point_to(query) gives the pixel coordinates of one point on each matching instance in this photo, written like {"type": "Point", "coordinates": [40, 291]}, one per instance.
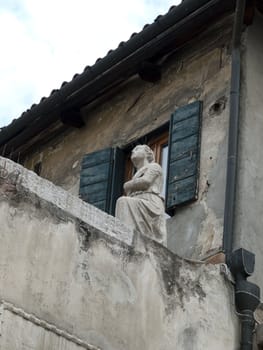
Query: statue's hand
{"type": "Point", "coordinates": [128, 187]}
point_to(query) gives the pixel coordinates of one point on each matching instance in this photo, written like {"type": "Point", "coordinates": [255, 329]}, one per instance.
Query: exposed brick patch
{"type": "Point", "coordinates": [218, 258]}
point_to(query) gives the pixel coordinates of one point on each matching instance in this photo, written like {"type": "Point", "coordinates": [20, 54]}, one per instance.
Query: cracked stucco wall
{"type": "Point", "coordinates": [200, 71]}
{"type": "Point", "coordinates": [22, 331]}
{"type": "Point", "coordinates": [63, 265]}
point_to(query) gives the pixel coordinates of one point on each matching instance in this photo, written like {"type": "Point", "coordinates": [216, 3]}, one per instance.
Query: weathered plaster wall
{"type": "Point", "coordinates": [249, 219]}
{"type": "Point", "coordinates": [200, 71]}
{"type": "Point", "coordinates": [98, 286]}
{"type": "Point", "coordinates": [33, 333]}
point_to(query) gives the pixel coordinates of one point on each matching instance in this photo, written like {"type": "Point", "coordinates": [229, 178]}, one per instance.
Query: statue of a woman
{"type": "Point", "coordinates": [142, 208]}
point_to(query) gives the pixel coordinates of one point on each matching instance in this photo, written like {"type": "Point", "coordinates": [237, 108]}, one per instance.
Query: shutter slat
{"type": "Point", "coordinates": [183, 190]}
{"type": "Point", "coordinates": [96, 158]}
{"type": "Point", "coordinates": [96, 178]}
{"type": "Point", "coordinates": [185, 112]}
{"type": "Point", "coordinates": [183, 167]}
{"type": "Point", "coordinates": [183, 147]}
{"type": "Point", "coordinates": [95, 174]}
{"type": "Point", "coordinates": [183, 158]}
{"type": "Point", "coordinates": [179, 130]}
{"type": "Point", "coordinates": [97, 189]}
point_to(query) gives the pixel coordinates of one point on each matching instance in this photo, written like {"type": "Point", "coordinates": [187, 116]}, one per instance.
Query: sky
{"type": "Point", "coordinates": [45, 42]}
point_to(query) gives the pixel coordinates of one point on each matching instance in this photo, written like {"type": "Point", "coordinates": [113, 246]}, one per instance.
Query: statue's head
{"type": "Point", "coordinates": [142, 151]}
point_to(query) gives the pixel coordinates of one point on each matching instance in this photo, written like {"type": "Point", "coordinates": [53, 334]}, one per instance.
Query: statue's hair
{"type": "Point", "coordinates": [149, 153]}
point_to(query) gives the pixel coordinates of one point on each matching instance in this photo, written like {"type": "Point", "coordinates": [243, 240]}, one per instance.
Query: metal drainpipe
{"type": "Point", "coordinates": [233, 131]}
{"type": "Point", "coordinates": [247, 295]}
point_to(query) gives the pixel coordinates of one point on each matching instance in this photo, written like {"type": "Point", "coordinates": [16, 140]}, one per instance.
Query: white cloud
{"type": "Point", "coordinates": [47, 42]}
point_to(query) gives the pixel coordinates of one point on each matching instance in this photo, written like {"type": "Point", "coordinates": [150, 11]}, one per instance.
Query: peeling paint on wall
{"type": "Point", "coordinates": [101, 288]}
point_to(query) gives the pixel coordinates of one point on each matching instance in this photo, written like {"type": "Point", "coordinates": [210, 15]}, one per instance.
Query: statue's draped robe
{"type": "Point", "coordinates": [143, 208]}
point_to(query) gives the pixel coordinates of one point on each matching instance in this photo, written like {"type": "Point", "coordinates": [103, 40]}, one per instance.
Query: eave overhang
{"type": "Point", "coordinates": [167, 33]}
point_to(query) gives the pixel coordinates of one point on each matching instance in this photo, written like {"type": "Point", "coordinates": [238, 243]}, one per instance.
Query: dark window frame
{"type": "Point", "coordinates": [155, 140]}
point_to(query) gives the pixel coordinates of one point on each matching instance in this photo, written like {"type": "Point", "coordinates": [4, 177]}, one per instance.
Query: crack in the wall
{"type": "Point", "coordinates": [136, 100]}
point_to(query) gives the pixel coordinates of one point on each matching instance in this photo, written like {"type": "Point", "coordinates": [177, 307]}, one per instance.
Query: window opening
{"type": "Point", "coordinates": [164, 161]}
{"type": "Point", "coordinates": [159, 145]}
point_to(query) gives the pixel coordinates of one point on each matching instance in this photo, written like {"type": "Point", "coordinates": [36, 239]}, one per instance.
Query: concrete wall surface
{"type": "Point", "coordinates": [62, 267]}
{"type": "Point", "coordinates": [249, 218]}
{"type": "Point", "coordinates": [22, 331]}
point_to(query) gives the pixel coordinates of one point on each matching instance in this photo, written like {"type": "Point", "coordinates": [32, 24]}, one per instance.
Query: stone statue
{"type": "Point", "coordinates": [142, 208]}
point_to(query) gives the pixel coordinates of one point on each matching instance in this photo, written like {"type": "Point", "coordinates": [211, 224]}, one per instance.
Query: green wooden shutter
{"type": "Point", "coordinates": [101, 178]}
{"type": "Point", "coordinates": [183, 156]}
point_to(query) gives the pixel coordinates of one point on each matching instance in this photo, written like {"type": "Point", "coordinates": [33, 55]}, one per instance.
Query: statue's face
{"type": "Point", "coordinates": [138, 154]}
